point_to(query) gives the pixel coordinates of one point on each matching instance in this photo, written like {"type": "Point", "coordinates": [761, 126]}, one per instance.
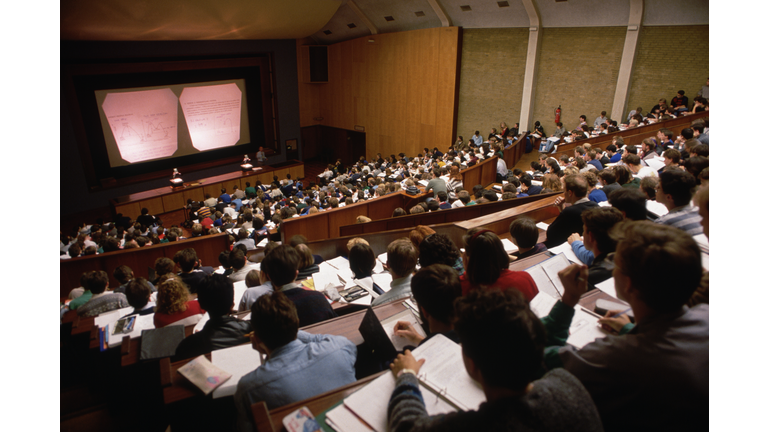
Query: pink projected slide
{"type": "Point", "coordinates": [213, 115]}
{"type": "Point", "coordinates": [143, 123]}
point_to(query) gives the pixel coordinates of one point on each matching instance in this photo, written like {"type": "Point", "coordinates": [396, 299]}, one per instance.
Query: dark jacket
{"type": "Point", "coordinates": [568, 222]}
{"type": "Point", "coordinates": [218, 333]}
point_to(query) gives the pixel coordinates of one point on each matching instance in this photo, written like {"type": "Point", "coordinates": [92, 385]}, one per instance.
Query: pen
{"type": "Point", "coordinates": [621, 313]}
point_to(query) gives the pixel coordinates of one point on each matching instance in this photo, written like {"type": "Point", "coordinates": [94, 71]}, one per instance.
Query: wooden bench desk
{"type": "Point", "coordinates": [177, 388]}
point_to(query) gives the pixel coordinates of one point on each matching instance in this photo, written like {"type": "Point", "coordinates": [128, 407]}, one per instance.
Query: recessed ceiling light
{"type": "Point", "coordinates": [420, 13]}
{"type": "Point", "coordinates": [389, 18]}
{"type": "Point", "coordinates": [466, 8]}
{"type": "Point", "coordinates": [503, 4]}
{"type": "Point", "coordinates": [351, 25]}
{"type": "Point", "coordinates": [327, 32]}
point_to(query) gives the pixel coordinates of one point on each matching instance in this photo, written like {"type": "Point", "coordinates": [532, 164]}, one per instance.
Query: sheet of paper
{"type": "Point", "coordinates": [607, 286]}
{"type": "Point", "coordinates": [703, 242]}
{"type": "Point", "coordinates": [509, 247]}
{"type": "Point", "coordinates": [263, 242]}
{"type": "Point", "coordinates": [656, 208]}
{"type": "Point", "coordinates": [542, 304]}
{"type": "Point", "coordinates": [383, 280]}
{"type": "Point", "coordinates": [542, 281]}
{"type": "Point", "coordinates": [444, 372]}
{"type": "Point", "coordinates": [339, 262]}
{"type": "Point", "coordinates": [239, 291]}
{"type": "Point", "coordinates": [200, 324]}
{"type": "Point", "coordinates": [705, 261]}
{"type": "Point", "coordinates": [325, 278]}
{"type": "Point", "coordinates": [389, 327]}
{"type": "Point", "coordinates": [655, 163]}
{"type": "Point", "coordinates": [378, 267]}
{"type": "Point", "coordinates": [143, 322]}
{"type": "Point", "coordinates": [370, 402]}
{"type": "Point", "coordinates": [567, 250]}
{"type": "Point", "coordinates": [110, 317]}
{"type": "Point", "coordinates": [584, 329]}
{"type": "Point", "coordinates": [542, 225]}
{"type": "Point", "coordinates": [554, 265]}
{"type": "Point", "coordinates": [239, 361]}
{"type": "Point", "coordinates": [342, 419]}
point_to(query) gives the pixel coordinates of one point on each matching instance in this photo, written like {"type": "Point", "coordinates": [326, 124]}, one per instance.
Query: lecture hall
{"type": "Point", "coordinates": [416, 164]}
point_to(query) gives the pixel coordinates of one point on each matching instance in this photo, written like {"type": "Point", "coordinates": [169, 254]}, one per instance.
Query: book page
{"type": "Point", "coordinates": [607, 286]}
{"type": "Point", "coordinates": [238, 361]}
{"type": "Point", "coordinates": [143, 322]}
{"type": "Point", "coordinates": [444, 372]}
{"type": "Point", "coordinates": [342, 419]}
{"type": "Point", "coordinates": [543, 226]}
{"type": "Point", "coordinates": [584, 329]}
{"type": "Point", "coordinates": [239, 291]}
{"type": "Point", "coordinates": [542, 281]}
{"type": "Point", "coordinates": [509, 247]}
{"type": "Point", "coordinates": [370, 402]}
{"type": "Point", "coordinates": [567, 250]}
{"type": "Point", "coordinates": [389, 327]}
{"type": "Point", "coordinates": [204, 374]}
{"type": "Point", "coordinates": [656, 208]}
{"type": "Point", "coordinates": [325, 278]}
{"type": "Point", "coordinates": [554, 265]}
{"type": "Point", "coordinates": [383, 280]}
{"type": "Point", "coordinates": [542, 304]}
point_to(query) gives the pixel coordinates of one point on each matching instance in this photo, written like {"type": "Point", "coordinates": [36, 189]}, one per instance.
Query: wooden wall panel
{"type": "Point", "coordinates": [214, 189]}
{"type": "Point", "coordinates": [400, 88]}
{"type": "Point", "coordinates": [132, 210]}
{"type": "Point", "coordinates": [195, 194]}
{"type": "Point", "coordinates": [173, 202]}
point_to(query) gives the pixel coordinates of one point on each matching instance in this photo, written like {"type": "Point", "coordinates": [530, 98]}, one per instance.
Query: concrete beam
{"type": "Point", "coordinates": [627, 61]}
{"type": "Point", "coordinates": [531, 66]}
{"type": "Point", "coordinates": [362, 16]}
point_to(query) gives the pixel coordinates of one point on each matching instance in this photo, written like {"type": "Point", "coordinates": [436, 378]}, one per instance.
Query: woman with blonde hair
{"type": "Point", "coordinates": [551, 183]}
{"type": "Point", "coordinates": [174, 306]}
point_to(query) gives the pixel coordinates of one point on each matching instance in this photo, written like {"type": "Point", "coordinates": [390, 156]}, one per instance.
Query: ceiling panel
{"type": "Point", "coordinates": [403, 12]}
{"type": "Point", "coordinates": [486, 13]}
{"type": "Point", "coordinates": [678, 12]}
{"type": "Point", "coordinates": [338, 26]}
{"type": "Point", "coordinates": [583, 13]}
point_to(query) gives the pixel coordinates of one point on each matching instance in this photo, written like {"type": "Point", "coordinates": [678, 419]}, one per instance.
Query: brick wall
{"type": "Point", "coordinates": [578, 69]}
{"type": "Point", "coordinates": [492, 73]}
{"type": "Point", "coordinates": [669, 59]}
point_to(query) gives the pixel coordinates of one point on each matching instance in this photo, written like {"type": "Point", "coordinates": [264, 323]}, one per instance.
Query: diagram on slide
{"type": "Point", "coordinates": [212, 114]}
{"type": "Point", "coordinates": [143, 123]}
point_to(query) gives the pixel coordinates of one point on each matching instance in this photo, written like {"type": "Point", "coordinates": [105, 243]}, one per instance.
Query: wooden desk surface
{"type": "Point", "coordinates": [177, 388]}
{"type": "Point", "coordinates": [323, 402]}
{"type": "Point", "coordinates": [319, 403]}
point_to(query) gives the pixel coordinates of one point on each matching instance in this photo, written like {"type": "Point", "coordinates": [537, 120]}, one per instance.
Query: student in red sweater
{"type": "Point", "coordinates": [486, 264]}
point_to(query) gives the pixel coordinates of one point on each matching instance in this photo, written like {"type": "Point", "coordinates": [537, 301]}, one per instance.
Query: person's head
{"type": "Point", "coordinates": [598, 222]}
{"type": "Point", "coordinates": [216, 294]}
{"type": "Point", "coordinates": [671, 157]}
{"type": "Point", "coordinates": [402, 256]}
{"type": "Point", "coordinates": [648, 185]}
{"type": "Point", "coordinates": [591, 179]}
{"type": "Point", "coordinates": [575, 188]}
{"type": "Point", "coordinates": [582, 118]}
{"type": "Point", "coordinates": [137, 292]}
{"type": "Point", "coordinates": [524, 233]}
{"type": "Point", "coordinates": [361, 260]}
{"type": "Point", "coordinates": [675, 188]}
{"type": "Point", "coordinates": [438, 249]}
{"type": "Point", "coordinates": [95, 281]}
{"type": "Point", "coordinates": [123, 274]}
{"type": "Point", "coordinates": [186, 259]}
{"type": "Point", "coordinates": [701, 150]}
{"type": "Point", "coordinates": [416, 209]}
{"type": "Point", "coordinates": [306, 258]}
{"type": "Point", "coordinates": [630, 202]}
{"type": "Point", "coordinates": [490, 195]}
{"type": "Point", "coordinates": [623, 174]}
{"type": "Point", "coordinates": [418, 234]}
{"type": "Point", "coordinates": [511, 355]}
{"type": "Point", "coordinates": [435, 288]}
{"type": "Point", "coordinates": [164, 265]}
{"type": "Point", "coordinates": [484, 257]}
{"type": "Point", "coordinates": [552, 182]}
{"type": "Point", "coordinates": [664, 248]}
{"type": "Point", "coordinates": [172, 296]}
{"type": "Point", "coordinates": [399, 212]}
{"type": "Point", "coordinates": [275, 321]}
{"type": "Point", "coordinates": [282, 265]}
{"type": "Point", "coordinates": [648, 145]}
{"type": "Point", "coordinates": [252, 279]}
{"type": "Point", "coordinates": [687, 133]}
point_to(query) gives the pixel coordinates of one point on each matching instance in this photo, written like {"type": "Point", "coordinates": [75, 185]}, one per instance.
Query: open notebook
{"type": "Point", "coordinates": [444, 382]}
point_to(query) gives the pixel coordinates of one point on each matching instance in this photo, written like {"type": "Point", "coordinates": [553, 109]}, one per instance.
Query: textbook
{"type": "Point", "coordinates": [204, 374]}
{"type": "Point", "coordinates": [584, 327]}
{"type": "Point", "coordinates": [545, 275]}
{"type": "Point", "coordinates": [445, 385]}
